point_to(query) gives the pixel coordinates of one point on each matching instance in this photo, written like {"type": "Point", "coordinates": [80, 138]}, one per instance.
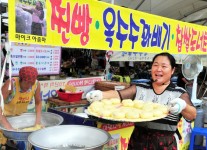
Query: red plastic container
{"type": "Point", "coordinates": [70, 97]}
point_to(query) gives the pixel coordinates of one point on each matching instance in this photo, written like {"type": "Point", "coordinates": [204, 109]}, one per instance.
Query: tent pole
{"type": "Point", "coordinates": [0, 35]}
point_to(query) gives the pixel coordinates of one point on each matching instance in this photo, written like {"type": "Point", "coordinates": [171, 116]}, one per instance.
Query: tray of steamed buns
{"type": "Point", "coordinates": [127, 110]}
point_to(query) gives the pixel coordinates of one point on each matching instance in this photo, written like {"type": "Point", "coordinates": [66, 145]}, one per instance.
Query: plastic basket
{"type": "Point", "coordinates": [70, 97]}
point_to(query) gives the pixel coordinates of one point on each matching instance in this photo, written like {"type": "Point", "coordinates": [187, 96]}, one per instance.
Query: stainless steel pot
{"type": "Point", "coordinates": [69, 137]}
{"type": "Point", "coordinates": [28, 120]}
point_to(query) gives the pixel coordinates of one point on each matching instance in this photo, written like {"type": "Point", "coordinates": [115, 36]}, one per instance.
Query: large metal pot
{"type": "Point", "coordinates": [28, 120]}
{"type": "Point", "coordinates": [69, 137]}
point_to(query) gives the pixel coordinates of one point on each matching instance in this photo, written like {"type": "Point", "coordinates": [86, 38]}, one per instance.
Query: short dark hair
{"type": "Point", "coordinates": [169, 56]}
{"type": "Point", "coordinates": [41, 5]}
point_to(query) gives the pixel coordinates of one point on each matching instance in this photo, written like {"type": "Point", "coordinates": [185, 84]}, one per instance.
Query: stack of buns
{"type": "Point", "coordinates": [34, 128]}
{"type": "Point", "coordinates": [127, 109]}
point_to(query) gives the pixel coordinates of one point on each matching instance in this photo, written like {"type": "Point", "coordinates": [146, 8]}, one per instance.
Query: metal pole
{"type": "Point", "coordinates": [0, 34]}
{"type": "Point", "coordinates": [107, 67]}
{"type": "Point", "coordinates": [139, 4]}
{"type": "Point", "coordinates": [28, 145]}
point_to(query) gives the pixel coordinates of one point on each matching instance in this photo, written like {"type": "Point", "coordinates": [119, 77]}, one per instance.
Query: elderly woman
{"type": "Point", "coordinates": [159, 134]}
{"type": "Point", "coordinates": [16, 100]}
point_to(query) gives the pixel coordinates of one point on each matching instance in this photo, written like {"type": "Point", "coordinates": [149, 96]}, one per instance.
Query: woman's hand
{"type": "Point", "coordinates": [10, 128]}
{"type": "Point", "coordinates": [39, 126]}
{"type": "Point", "coordinates": [177, 105]}
{"type": "Point", "coordinates": [94, 95]}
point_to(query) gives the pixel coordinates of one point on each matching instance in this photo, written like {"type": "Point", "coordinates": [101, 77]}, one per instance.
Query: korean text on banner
{"type": "Point", "coordinates": [84, 23]}
{"type": "Point", "coordinates": [120, 133]}
{"type": "Point", "coordinates": [46, 59]}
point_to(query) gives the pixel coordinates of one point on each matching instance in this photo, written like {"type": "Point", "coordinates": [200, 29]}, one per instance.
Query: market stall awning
{"type": "Point", "coordinates": [110, 27]}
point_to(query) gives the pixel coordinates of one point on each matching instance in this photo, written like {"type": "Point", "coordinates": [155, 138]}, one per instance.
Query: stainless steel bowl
{"type": "Point", "coordinates": [69, 137]}
{"type": "Point", "coordinates": [28, 120]}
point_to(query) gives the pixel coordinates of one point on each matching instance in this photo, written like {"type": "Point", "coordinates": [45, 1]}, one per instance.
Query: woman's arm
{"type": "Point", "coordinates": [5, 122]}
{"type": "Point", "coordinates": [128, 93]}
{"type": "Point", "coordinates": [38, 104]}
{"type": "Point", "coordinates": [26, 9]}
{"type": "Point", "coordinates": [5, 93]}
{"type": "Point", "coordinates": [5, 89]}
{"type": "Point", "coordinates": [110, 94]}
{"type": "Point", "coordinates": [190, 111]}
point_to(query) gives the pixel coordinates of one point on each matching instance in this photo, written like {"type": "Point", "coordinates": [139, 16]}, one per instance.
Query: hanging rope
{"type": "Point", "coordinates": [6, 60]}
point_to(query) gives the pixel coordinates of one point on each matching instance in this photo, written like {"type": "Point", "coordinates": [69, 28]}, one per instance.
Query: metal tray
{"type": "Point", "coordinates": [28, 120]}
{"type": "Point", "coordinates": [71, 137]}
{"type": "Point", "coordinates": [112, 120]}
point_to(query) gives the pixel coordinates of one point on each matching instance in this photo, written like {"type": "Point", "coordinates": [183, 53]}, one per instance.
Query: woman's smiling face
{"type": "Point", "coordinates": [161, 70]}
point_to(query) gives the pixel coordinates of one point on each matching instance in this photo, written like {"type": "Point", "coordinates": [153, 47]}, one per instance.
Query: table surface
{"type": "Point", "coordinates": [58, 102]}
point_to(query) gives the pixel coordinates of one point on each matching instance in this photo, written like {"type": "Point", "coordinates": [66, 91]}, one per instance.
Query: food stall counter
{"type": "Point", "coordinates": [68, 111]}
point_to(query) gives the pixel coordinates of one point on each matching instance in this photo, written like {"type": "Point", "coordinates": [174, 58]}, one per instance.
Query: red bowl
{"type": "Point", "coordinates": [70, 97]}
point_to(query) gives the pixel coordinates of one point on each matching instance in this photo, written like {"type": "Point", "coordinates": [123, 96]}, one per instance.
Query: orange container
{"type": "Point", "coordinates": [70, 97]}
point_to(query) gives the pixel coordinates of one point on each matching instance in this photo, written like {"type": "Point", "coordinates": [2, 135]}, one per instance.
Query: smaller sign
{"type": "Point", "coordinates": [120, 132]}
{"type": "Point", "coordinates": [45, 58]}
{"type": "Point", "coordinates": [139, 56]}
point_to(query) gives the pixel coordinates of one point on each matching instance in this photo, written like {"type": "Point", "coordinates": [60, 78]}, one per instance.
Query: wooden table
{"type": "Point", "coordinates": [54, 102]}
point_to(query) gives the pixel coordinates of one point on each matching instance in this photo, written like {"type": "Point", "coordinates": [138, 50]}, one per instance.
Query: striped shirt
{"type": "Point", "coordinates": [146, 93]}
